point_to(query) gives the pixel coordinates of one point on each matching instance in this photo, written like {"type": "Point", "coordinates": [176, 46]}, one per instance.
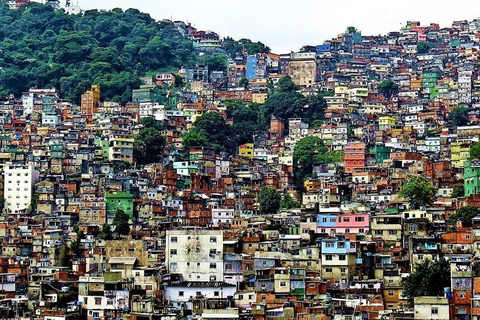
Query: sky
{"type": "Point", "coordinates": [287, 25]}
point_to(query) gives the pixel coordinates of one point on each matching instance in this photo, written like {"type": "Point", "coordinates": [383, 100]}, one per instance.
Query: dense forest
{"type": "Point", "coordinates": [40, 47]}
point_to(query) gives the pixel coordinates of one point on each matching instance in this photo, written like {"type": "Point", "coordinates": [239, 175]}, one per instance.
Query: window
{"type": "Point", "coordinates": [149, 287]}
{"type": "Point", "coordinates": [173, 252]}
{"type": "Point", "coordinates": [283, 284]}
{"type": "Point", "coordinates": [359, 219]}
{"type": "Point", "coordinates": [181, 293]}
{"type": "Point", "coordinates": [392, 232]}
{"type": "Point", "coordinates": [328, 257]}
{"type": "Point", "coordinates": [342, 257]}
{"type": "Point", "coordinates": [173, 239]}
{"type": "Point", "coordinates": [213, 266]}
{"type": "Point", "coordinates": [213, 239]}
{"type": "Point", "coordinates": [434, 310]}
{"type": "Point", "coordinates": [329, 245]}
{"type": "Point", "coordinates": [328, 269]}
{"type": "Point", "coordinates": [378, 232]}
{"type": "Point", "coordinates": [467, 236]}
{"type": "Point", "coordinates": [346, 219]}
{"type": "Point", "coordinates": [98, 301]}
{"type": "Point", "coordinates": [173, 266]}
{"type": "Point", "coordinates": [311, 285]}
{"type": "Point", "coordinates": [240, 297]}
{"type": "Point", "coordinates": [390, 293]}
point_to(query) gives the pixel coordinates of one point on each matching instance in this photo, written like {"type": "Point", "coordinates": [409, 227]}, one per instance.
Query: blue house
{"type": "Point", "coordinates": [252, 67]}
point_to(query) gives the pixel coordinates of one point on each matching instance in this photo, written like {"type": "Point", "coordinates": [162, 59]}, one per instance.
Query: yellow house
{"type": "Point", "coordinates": [459, 153]}
{"type": "Point", "coordinates": [259, 97]}
{"type": "Point", "coordinates": [374, 109]}
{"type": "Point", "coordinates": [246, 150]}
{"type": "Point", "coordinates": [386, 122]}
{"type": "Point", "coordinates": [311, 185]}
{"type": "Point", "coordinates": [416, 85]}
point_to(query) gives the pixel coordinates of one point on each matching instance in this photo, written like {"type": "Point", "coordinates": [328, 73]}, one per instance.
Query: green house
{"type": "Point", "coordinates": [150, 93]}
{"type": "Point", "coordinates": [56, 151]}
{"type": "Point", "coordinates": [119, 200]}
{"type": "Point", "coordinates": [471, 177]}
{"type": "Point", "coordinates": [381, 153]}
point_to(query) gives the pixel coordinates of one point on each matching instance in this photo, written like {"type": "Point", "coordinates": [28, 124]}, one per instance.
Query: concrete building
{"type": "Point", "coordinates": [432, 308]}
{"type": "Point", "coordinates": [196, 254]}
{"type": "Point", "coordinates": [18, 187]}
{"type": "Point", "coordinates": [302, 68]}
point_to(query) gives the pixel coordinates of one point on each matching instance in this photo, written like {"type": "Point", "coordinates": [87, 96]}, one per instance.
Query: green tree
{"type": "Point", "coordinates": [424, 47]}
{"type": "Point", "coordinates": [150, 122]}
{"type": "Point", "coordinates": [269, 200]}
{"type": "Point", "coordinates": [308, 152]}
{"type": "Point", "coordinates": [243, 82]}
{"type": "Point", "coordinates": [216, 130]}
{"type": "Point", "coordinates": [317, 124]}
{"type": "Point", "coordinates": [216, 62]}
{"type": "Point", "coordinates": [475, 151]}
{"type": "Point", "coordinates": [286, 84]}
{"type": "Point", "coordinates": [351, 30]}
{"type": "Point", "coordinates": [121, 223]}
{"type": "Point", "coordinates": [388, 88]}
{"type": "Point", "coordinates": [194, 138]}
{"type": "Point", "coordinates": [148, 146]}
{"type": "Point", "coordinates": [41, 47]}
{"type": "Point", "coordinates": [458, 191]}
{"type": "Point", "coordinates": [106, 233]}
{"type": "Point", "coordinates": [459, 116]}
{"type": "Point", "coordinates": [247, 121]}
{"type": "Point", "coordinates": [464, 214]}
{"type": "Point", "coordinates": [288, 202]}
{"type": "Point", "coordinates": [428, 279]}
{"type": "Point", "coordinates": [419, 191]}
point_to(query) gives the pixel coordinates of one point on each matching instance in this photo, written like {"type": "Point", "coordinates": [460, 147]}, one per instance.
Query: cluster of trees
{"type": "Point", "coordinates": [44, 48]}
{"type": "Point", "coordinates": [419, 191]}
{"type": "Point", "coordinates": [285, 102]}
{"type": "Point", "coordinates": [308, 153]}
{"type": "Point", "coordinates": [428, 279]}
{"type": "Point", "coordinates": [149, 143]}
{"type": "Point", "coordinates": [459, 116]}
{"type": "Point", "coordinates": [234, 48]}
{"type": "Point", "coordinates": [270, 201]}
{"type": "Point", "coordinates": [41, 47]}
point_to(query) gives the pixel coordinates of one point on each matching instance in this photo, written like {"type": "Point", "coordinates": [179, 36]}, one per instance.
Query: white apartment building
{"type": "Point", "coordinates": [222, 216]}
{"type": "Point", "coordinates": [196, 254]}
{"type": "Point", "coordinates": [18, 187]}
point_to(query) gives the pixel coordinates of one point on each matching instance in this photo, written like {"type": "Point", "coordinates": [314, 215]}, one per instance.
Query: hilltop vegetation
{"type": "Point", "coordinates": [40, 47]}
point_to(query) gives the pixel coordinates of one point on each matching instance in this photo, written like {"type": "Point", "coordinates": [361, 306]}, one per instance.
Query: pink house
{"type": "Point", "coordinates": [353, 223]}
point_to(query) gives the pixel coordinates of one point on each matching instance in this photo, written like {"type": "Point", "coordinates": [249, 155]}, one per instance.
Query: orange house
{"type": "Point", "coordinates": [354, 156]}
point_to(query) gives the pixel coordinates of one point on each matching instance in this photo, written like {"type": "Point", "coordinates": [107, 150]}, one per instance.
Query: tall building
{"type": "Point", "coordinates": [18, 187]}
{"type": "Point", "coordinates": [302, 68]}
{"type": "Point", "coordinates": [196, 254]}
{"type": "Point", "coordinates": [90, 102]}
{"type": "Point", "coordinates": [354, 156]}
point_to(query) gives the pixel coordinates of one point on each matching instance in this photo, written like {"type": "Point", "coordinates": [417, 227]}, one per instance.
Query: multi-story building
{"type": "Point", "coordinates": [18, 187]}
{"type": "Point", "coordinates": [302, 68]}
{"type": "Point", "coordinates": [196, 254]}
